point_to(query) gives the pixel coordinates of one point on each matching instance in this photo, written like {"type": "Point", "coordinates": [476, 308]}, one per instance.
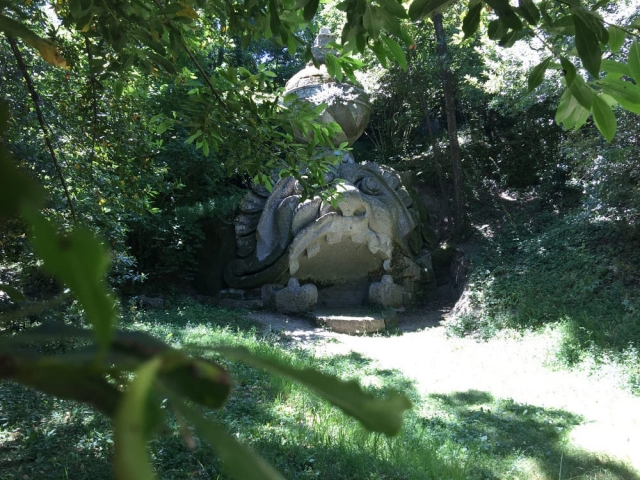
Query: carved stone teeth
{"type": "Point", "coordinates": [313, 250]}
{"type": "Point", "coordinates": [373, 243]}
{"type": "Point", "coordinates": [294, 266]}
{"type": "Point", "coordinates": [358, 237]}
{"type": "Point", "coordinates": [333, 237]}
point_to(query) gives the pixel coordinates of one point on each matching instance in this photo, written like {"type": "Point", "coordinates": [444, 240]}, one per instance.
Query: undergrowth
{"type": "Point", "coordinates": [575, 273]}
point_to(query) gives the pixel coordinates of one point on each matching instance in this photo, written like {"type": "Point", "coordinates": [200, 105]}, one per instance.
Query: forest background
{"type": "Point", "coordinates": [153, 118]}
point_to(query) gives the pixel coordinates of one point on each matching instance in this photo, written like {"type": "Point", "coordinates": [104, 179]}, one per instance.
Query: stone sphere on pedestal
{"type": "Point", "coordinates": [347, 105]}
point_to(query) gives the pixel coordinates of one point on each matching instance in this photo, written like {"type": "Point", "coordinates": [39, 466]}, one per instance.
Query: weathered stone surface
{"type": "Point", "coordinates": [295, 298]}
{"type": "Point", "coordinates": [351, 326]}
{"type": "Point", "coordinates": [231, 294]}
{"type": "Point", "coordinates": [386, 293]}
{"type": "Point", "coordinates": [356, 321]}
{"type": "Point", "coordinates": [268, 295]}
{"type": "Point", "coordinates": [340, 245]}
{"type": "Point", "coordinates": [252, 203]}
{"type": "Point", "coordinates": [246, 246]}
{"type": "Point", "coordinates": [149, 302]}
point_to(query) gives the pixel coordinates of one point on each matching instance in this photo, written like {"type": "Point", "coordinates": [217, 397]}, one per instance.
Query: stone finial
{"type": "Point", "coordinates": [320, 48]}
{"type": "Point", "coordinates": [295, 298]}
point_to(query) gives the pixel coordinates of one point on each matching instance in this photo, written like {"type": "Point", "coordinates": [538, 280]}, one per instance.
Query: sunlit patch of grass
{"type": "Point", "coordinates": [463, 435]}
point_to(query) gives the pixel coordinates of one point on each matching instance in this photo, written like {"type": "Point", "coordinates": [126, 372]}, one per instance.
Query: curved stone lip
{"type": "Point", "coordinates": [330, 227]}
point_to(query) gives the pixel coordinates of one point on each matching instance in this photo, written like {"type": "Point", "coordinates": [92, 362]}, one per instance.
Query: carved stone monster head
{"type": "Point", "coordinates": [370, 231]}
{"type": "Point", "coordinates": [348, 244]}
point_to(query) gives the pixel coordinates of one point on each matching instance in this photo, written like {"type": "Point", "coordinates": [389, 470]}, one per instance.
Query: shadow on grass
{"type": "Point", "coordinates": [45, 438]}
{"type": "Point", "coordinates": [190, 312]}
{"type": "Point", "coordinates": [308, 438]}
{"type": "Point", "coordinates": [581, 274]}
{"type": "Point", "coordinates": [504, 432]}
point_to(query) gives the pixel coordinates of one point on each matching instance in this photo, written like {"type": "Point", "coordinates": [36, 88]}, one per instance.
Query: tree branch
{"type": "Point", "coordinates": [45, 130]}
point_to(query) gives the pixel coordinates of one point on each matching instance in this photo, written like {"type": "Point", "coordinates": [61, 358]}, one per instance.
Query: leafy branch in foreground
{"type": "Point", "coordinates": [100, 373]}
{"type": "Point", "coordinates": [573, 30]}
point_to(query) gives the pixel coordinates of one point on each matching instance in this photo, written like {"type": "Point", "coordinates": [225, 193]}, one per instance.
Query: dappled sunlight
{"type": "Point", "coordinates": [526, 436]}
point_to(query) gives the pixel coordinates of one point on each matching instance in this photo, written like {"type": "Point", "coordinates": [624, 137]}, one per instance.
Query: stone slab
{"type": "Point", "coordinates": [356, 321]}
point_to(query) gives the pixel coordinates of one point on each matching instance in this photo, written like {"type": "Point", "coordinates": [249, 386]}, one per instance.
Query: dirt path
{"type": "Point", "coordinates": [506, 367]}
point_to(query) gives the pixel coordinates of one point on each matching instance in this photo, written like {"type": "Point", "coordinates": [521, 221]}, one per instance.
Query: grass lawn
{"type": "Point", "coordinates": [470, 434]}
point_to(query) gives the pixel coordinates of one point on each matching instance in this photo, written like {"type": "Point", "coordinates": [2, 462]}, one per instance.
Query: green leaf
{"type": "Point", "coordinates": [616, 38]}
{"type": "Point", "coordinates": [616, 68]}
{"type": "Point", "coordinates": [588, 47]}
{"type": "Point", "coordinates": [620, 89]}
{"type": "Point", "coordinates": [371, 21]}
{"type": "Point", "coordinates": [239, 461]}
{"type": "Point", "coordinates": [62, 378]}
{"type": "Point", "coordinates": [593, 21]}
{"type": "Point", "coordinates": [394, 8]}
{"type": "Point", "coordinates": [310, 10]}
{"type": "Point", "coordinates": [361, 42]}
{"type": "Point", "coordinates": [14, 294]}
{"type": "Point", "coordinates": [163, 127]}
{"type": "Point", "coordinates": [562, 26]}
{"type": "Point", "coordinates": [582, 92]}
{"type": "Point", "coordinates": [318, 109]}
{"type": "Point", "coordinates": [131, 456]}
{"type": "Point", "coordinates": [632, 107]}
{"type": "Point", "coordinates": [536, 75]}
{"type": "Point", "coordinates": [274, 18]}
{"type": "Point", "coordinates": [47, 49]}
{"type": "Point", "coordinates": [633, 61]}
{"type": "Point", "coordinates": [471, 21]}
{"type": "Point", "coordinates": [379, 52]}
{"type": "Point", "coordinates": [391, 23]}
{"type": "Point", "coordinates": [529, 11]}
{"type": "Point", "coordinates": [505, 13]}
{"type": "Point", "coordinates": [331, 62]}
{"type": "Point", "coordinates": [193, 137]}
{"type": "Point", "coordinates": [497, 29]}
{"type": "Point", "coordinates": [118, 88]}
{"type": "Point", "coordinates": [570, 113]}
{"type": "Point", "coordinates": [508, 39]}
{"type": "Point", "coordinates": [80, 261]}
{"type": "Point", "coordinates": [396, 51]}
{"type": "Point", "coordinates": [292, 44]}
{"type": "Point", "coordinates": [198, 380]}
{"type": "Point", "coordinates": [17, 191]}
{"type": "Point", "coordinates": [604, 118]}
{"type": "Point", "coordinates": [420, 9]}
{"type": "Point", "coordinates": [384, 416]}
{"type": "Point", "coordinates": [568, 70]}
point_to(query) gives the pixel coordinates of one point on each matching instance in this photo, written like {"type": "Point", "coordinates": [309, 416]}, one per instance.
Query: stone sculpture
{"type": "Point", "coordinates": [368, 240]}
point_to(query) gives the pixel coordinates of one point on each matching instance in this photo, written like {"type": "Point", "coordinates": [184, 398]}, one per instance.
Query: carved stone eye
{"type": "Point", "coordinates": [370, 186]}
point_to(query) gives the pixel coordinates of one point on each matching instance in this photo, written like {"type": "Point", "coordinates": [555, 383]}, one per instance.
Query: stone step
{"type": "Point", "coordinates": [355, 321]}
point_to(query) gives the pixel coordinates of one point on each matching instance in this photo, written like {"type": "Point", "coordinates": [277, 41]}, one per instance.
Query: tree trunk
{"type": "Point", "coordinates": [459, 214]}
{"type": "Point", "coordinates": [436, 154]}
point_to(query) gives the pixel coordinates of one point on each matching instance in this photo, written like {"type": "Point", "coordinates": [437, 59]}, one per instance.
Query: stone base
{"type": "Point", "coordinates": [356, 321]}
